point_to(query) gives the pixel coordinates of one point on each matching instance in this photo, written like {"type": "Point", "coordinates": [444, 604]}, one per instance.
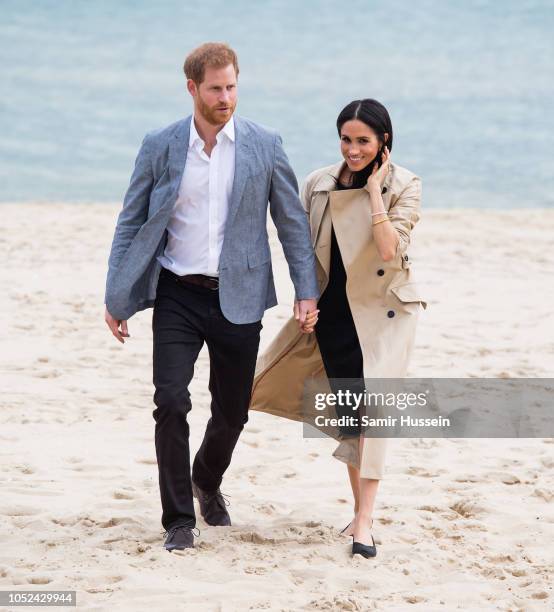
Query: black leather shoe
{"type": "Point", "coordinates": [179, 538]}
{"type": "Point", "coordinates": [212, 506]}
{"type": "Point", "coordinates": [365, 550]}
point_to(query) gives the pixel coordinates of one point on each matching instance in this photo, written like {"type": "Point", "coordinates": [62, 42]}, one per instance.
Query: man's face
{"type": "Point", "coordinates": [216, 97]}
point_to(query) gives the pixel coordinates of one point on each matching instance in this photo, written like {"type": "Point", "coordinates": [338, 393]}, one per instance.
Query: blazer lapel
{"type": "Point", "coordinates": [242, 169]}
{"type": "Point", "coordinates": [178, 149]}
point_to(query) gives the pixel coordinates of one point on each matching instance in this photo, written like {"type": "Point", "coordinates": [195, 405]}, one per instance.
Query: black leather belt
{"type": "Point", "coordinates": [208, 282]}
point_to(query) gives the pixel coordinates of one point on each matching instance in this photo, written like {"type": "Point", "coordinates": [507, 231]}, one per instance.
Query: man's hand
{"type": "Point", "coordinates": [305, 312]}
{"type": "Point", "coordinates": [114, 324]}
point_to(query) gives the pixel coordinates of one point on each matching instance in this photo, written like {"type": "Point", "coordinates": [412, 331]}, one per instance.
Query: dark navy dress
{"type": "Point", "coordinates": [337, 337]}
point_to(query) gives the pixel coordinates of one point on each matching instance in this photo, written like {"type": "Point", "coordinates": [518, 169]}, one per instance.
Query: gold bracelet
{"type": "Point", "coordinates": [381, 221]}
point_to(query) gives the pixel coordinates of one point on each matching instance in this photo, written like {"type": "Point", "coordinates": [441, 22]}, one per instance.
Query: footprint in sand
{"type": "Point", "coordinates": [120, 520]}
{"type": "Point", "coordinates": [94, 468]}
{"type": "Point", "coordinates": [255, 537]}
{"type": "Point", "coordinates": [102, 400]}
{"type": "Point", "coordinates": [122, 495]}
{"type": "Point", "coordinates": [255, 570]}
{"type": "Point", "coordinates": [88, 359]}
{"type": "Point", "coordinates": [39, 579]}
{"type": "Point", "coordinates": [468, 478]}
{"type": "Point", "coordinates": [346, 603]}
{"type": "Point", "coordinates": [414, 599]}
{"type": "Point", "coordinates": [25, 469]}
{"type": "Point", "coordinates": [266, 509]}
{"type": "Point", "coordinates": [428, 508]}
{"type": "Point", "coordinates": [50, 374]}
{"type": "Point", "coordinates": [19, 511]}
{"type": "Point", "coordinates": [148, 461]}
{"type": "Point", "coordinates": [423, 442]}
{"type": "Point", "coordinates": [468, 509]}
{"type": "Point", "coordinates": [421, 471]}
{"type": "Point", "coordinates": [545, 494]}
{"type": "Point", "coordinates": [503, 477]}
{"type": "Point", "coordinates": [74, 459]}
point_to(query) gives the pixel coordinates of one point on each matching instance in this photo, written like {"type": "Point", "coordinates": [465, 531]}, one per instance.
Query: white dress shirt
{"type": "Point", "coordinates": [197, 223]}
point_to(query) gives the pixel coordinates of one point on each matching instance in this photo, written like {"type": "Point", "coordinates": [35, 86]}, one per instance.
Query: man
{"type": "Point", "coordinates": [191, 241]}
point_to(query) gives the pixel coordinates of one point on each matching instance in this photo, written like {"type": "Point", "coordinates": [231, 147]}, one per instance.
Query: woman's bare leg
{"type": "Point", "coordinates": [354, 475]}
{"type": "Point", "coordinates": [367, 492]}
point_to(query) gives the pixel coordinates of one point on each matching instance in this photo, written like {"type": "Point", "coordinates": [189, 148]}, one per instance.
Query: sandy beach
{"type": "Point", "coordinates": [459, 523]}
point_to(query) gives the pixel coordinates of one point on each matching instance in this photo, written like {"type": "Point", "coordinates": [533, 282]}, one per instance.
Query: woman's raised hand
{"type": "Point", "coordinates": [378, 175]}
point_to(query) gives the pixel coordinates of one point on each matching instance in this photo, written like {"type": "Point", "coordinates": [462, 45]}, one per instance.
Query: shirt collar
{"type": "Point", "coordinates": [228, 130]}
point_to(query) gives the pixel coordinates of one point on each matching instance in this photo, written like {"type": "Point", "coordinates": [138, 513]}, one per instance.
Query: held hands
{"type": "Point", "coordinates": [114, 324]}
{"type": "Point", "coordinates": [305, 312]}
{"type": "Point", "coordinates": [378, 175]}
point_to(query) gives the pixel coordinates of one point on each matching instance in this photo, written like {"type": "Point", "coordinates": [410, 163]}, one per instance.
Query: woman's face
{"type": "Point", "coordinates": [359, 144]}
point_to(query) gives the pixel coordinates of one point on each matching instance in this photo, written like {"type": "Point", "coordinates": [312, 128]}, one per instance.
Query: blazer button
{"type": "Point", "coordinates": [380, 272]}
{"type": "Point", "coordinates": [390, 314]}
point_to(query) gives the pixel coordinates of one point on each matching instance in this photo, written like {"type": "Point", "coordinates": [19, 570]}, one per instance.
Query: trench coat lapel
{"type": "Point", "coordinates": [326, 183]}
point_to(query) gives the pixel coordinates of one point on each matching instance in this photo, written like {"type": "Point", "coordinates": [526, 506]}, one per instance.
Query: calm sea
{"type": "Point", "coordinates": [469, 85]}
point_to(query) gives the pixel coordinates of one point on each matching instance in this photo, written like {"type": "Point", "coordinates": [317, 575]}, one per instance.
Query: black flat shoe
{"type": "Point", "coordinates": [364, 550]}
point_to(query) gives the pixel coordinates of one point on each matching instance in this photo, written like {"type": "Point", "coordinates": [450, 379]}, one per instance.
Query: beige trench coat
{"type": "Point", "coordinates": [383, 298]}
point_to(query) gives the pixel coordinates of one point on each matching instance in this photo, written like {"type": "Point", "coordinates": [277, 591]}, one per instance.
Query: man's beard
{"type": "Point", "coordinates": [211, 115]}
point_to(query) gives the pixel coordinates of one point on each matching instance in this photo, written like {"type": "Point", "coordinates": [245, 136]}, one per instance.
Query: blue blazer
{"type": "Point", "coordinates": [262, 175]}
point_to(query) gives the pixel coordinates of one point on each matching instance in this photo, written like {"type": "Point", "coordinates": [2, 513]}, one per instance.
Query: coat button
{"type": "Point", "coordinates": [380, 272]}
{"type": "Point", "coordinates": [384, 190]}
{"type": "Point", "coordinates": [405, 258]}
{"type": "Point", "coordinates": [390, 314]}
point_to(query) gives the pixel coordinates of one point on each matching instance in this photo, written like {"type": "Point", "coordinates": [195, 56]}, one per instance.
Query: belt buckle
{"type": "Point", "coordinates": [216, 280]}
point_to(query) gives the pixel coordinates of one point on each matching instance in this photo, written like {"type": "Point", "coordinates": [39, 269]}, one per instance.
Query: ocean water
{"type": "Point", "coordinates": [469, 86]}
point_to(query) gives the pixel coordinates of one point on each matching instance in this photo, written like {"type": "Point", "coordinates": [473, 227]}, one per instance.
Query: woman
{"type": "Point", "coordinates": [361, 212]}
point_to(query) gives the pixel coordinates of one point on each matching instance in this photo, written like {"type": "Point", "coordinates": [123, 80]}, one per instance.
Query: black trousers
{"type": "Point", "coordinates": [186, 316]}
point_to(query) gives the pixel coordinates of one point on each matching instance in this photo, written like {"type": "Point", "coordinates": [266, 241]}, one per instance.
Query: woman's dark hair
{"type": "Point", "coordinates": [375, 116]}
